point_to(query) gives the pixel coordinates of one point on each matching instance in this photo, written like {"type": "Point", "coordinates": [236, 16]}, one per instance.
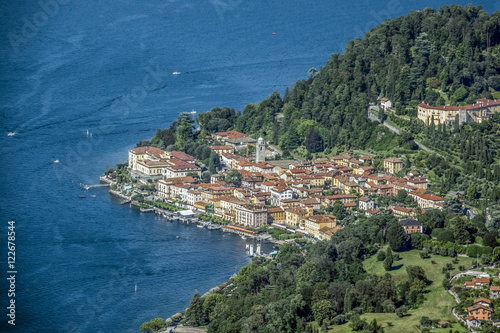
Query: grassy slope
{"type": "Point", "coordinates": [437, 302]}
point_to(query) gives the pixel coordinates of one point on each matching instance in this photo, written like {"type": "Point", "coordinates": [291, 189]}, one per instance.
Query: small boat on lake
{"type": "Point", "coordinates": [81, 196]}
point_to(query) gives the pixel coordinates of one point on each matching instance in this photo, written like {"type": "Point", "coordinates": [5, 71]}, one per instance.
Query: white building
{"type": "Point", "coordinates": [366, 203]}
{"type": "Point", "coordinates": [279, 193]}
{"type": "Point", "coordinates": [385, 103]}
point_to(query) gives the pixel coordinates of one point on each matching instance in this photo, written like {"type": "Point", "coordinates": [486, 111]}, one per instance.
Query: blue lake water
{"type": "Point", "coordinates": [107, 67]}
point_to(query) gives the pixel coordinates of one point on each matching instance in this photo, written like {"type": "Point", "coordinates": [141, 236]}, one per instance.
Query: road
{"type": "Point", "coordinates": [373, 116]}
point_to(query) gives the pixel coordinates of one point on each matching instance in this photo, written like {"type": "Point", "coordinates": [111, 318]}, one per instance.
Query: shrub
{"type": "Point", "coordinates": [475, 250]}
{"type": "Point", "coordinates": [381, 255]}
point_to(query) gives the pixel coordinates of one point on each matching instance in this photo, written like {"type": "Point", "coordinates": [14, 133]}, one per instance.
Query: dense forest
{"type": "Point", "coordinates": [326, 284]}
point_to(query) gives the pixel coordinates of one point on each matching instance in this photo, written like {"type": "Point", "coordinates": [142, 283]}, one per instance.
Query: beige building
{"type": "Point", "coordinates": [151, 168]}
{"type": "Point", "coordinates": [477, 112]}
{"type": "Point", "coordinates": [393, 165]}
{"type": "Point", "coordinates": [251, 216]}
{"type": "Point", "coordinates": [144, 153]}
{"type": "Point", "coordinates": [313, 225]}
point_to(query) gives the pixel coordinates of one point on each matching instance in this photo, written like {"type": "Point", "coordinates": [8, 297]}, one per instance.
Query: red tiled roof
{"type": "Point", "coordinates": [220, 148]}
{"type": "Point", "coordinates": [182, 156]}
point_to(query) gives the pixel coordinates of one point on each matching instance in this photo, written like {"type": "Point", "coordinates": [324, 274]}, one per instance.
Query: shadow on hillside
{"type": "Point", "coordinates": [395, 268]}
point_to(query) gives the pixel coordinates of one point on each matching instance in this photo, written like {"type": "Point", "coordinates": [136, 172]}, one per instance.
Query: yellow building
{"type": "Point", "coordinates": [219, 150]}
{"type": "Point", "coordinates": [313, 224]}
{"type": "Point", "coordinates": [294, 215]}
{"type": "Point", "coordinates": [393, 165]}
{"type": "Point", "coordinates": [276, 214]}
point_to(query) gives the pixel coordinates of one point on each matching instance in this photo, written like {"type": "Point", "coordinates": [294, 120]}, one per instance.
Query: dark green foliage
{"type": "Point", "coordinates": [490, 239]}
{"type": "Point", "coordinates": [195, 315]}
{"type": "Point", "coordinates": [338, 210]}
{"type": "Point", "coordinates": [445, 235]}
{"type": "Point", "coordinates": [233, 177]}
{"type": "Point", "coordinates": [314, 142]}
{"type": "Point", "coordinates": [381, 255]}
{"type": "Point", "coordinates": [474, 250]}
{"type": "Point", "coordinates": [395, 236]}
{"type": "Point", "coordinates": [388, 260]}
{"type": "Point", "coordinates": [216, 120]}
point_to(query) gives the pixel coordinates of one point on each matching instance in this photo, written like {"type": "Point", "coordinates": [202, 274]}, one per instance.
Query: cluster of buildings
{"type": "Point", "coordinates": [478, 112]}
{"type": "Point", "coordinates": [287, 194]}
{"type": "Point", "coordinates": [481, 309]}
{"type": "Point", "coordinates": [156, 163]}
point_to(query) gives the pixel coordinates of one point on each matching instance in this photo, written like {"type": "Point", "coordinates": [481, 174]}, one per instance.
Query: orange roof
{"type": "Point", "coordinates": [480, 103]}
{"type": "Point", "coordinates": [431, 197]}
{"type": "Point", "coordinates": [220, 148]}
{"type": "Point", "coordinates": [231, 134]}
{"type": "Point", "coordinates": [394, 160]}
{"type": "Point", "coordinates": [182, 156]}
{"type": "Point", "coordinates": [482, 299]}
{"type": "Point", "coordinates": [150, 150]}
{"type": "Point", "coordinates": [481, 280]}
{"type": "Point", "coordinates": [402, 209]}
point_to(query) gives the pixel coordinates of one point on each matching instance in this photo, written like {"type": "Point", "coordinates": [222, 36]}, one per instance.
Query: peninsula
{"type": "Point", "coordinates": [376, 233]}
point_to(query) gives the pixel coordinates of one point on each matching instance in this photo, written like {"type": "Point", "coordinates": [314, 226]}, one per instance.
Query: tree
{"type": "Point", "coordinates": [322, 310]}
{"type": "Point", "coordinates": [401, 196]}
{"type": "Point", "coordinates": [381, 114]}
{"type": "Point", "coordinates": [292, 140]}
{"type": "Point", "coordinates": [401, 311]}
{"type": "Point", "coordinates": [194, 314]}
{"type": "Point", "coordinates": [452, 205]}
{"type": "Point", "coordinates": [145, 327]}
{"type": "Point", "coordinates": [395, 236]}
{"type": "Point", "coordinates": [471, 192]}
{"type": "Point", "coordinates": [416, 273]}
{"type": "Point", "coordinates": [490, 239]}
{"type": "Point", "coordinates": [388, 260]}
{"type": "Point", "coordinates": [381, 255]}
{"type": "Point", "coordinates": [213, 163]}
{"type": "Point", "coordinates": [338, 210]}
{"type": "Point", "coordinates": [157, 324]}
{"type": "Point", "coordinates": [314, 142]}
{"type": "Point", "coordinates": [425, 321]}
{"type": "Point", "coordinates": [234, 178]}
{"type": "Point", "coordinates": [356, 323]}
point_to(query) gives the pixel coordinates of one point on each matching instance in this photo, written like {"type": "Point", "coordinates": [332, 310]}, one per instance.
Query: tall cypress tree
{"type": "Point", "coordinates": [388, 260]}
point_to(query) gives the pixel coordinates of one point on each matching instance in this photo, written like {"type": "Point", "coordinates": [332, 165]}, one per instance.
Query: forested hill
{"type": "Point", "coordinates": [434, 56]}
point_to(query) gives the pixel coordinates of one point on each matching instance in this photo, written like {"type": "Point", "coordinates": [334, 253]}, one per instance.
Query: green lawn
{"type": "Point", "coordinates": [438, 301]}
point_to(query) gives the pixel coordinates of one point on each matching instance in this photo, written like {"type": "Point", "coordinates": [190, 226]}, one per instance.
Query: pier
{"type": "Point", "coordinates": [87, 187]}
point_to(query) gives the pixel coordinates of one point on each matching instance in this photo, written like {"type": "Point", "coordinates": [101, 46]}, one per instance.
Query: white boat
{"type": "Point", "coordinates": [193, 112]}
{"type": "Point", "coordinates": [12, 133]}
{"type": "Point", "coordinates": [200, 225]}
{"type": "Point", "coordinates": [176, 73]}
{"type": "Point", "coordinates": [56, 161]}
{"type": "Point", "coordinates": [243, 237]}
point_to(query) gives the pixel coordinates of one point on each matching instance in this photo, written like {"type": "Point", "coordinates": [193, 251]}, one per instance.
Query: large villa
{"type": "Point", "coordinates": [477, 112]}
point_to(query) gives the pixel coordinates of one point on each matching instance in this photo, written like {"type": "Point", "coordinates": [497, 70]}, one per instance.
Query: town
{"type": "Point", "coordinates": [310, 200]}
{"type": "Point", "coordinates": [251, 193]}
